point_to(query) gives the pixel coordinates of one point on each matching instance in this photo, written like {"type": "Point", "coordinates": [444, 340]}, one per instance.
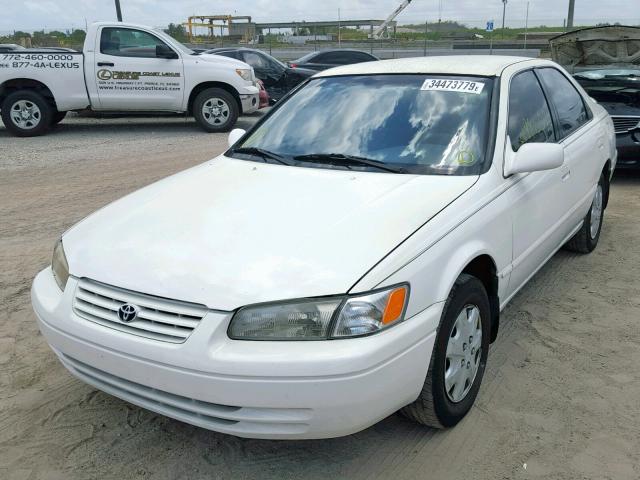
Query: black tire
{"type": "Point", "coordinates": [584, 241]}
{"type": "Point", "coordinates": [39, 122]}
{"type": "Point", "coordinates": [434, 407]}
{"type": "Point", "coordinates": [219, 98]}
{"type": "Point", "coordinates": [58, 117]}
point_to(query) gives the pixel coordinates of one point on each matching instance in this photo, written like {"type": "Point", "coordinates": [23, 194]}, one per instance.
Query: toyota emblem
{"type": "Point", "coordinates": [128, 313]}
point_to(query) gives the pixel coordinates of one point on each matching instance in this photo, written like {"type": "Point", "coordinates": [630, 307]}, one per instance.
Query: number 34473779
{"type": "Point", "coordinates": [452, 85]}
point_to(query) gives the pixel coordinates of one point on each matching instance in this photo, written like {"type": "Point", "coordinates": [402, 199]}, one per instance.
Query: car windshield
{"type": "Point", "coordinates": [421, 124]}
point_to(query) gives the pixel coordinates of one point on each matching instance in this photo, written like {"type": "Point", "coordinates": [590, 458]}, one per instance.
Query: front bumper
{"type": "Point", "coordinates": [250, 99]}
{"type": "Point", "coordinates": [278, 390]}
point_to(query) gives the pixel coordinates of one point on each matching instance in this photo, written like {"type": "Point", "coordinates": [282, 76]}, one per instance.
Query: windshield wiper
{"type": "Point", "coordinates": [339, 158]}
{"type": "Point", "coordinates": [265, 154]}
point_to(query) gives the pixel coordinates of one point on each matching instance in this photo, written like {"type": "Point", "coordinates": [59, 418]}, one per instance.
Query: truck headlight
{"type": "Point", "coordinates": [322, 319]}
{"type": "Point", "coordinates": [245, 73]}
{"type": "Point", "coordinates": [59, 265]}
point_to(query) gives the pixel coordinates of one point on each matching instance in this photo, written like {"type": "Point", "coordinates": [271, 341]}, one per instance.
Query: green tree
{"type": "Point", "coordinates": [177, 31]}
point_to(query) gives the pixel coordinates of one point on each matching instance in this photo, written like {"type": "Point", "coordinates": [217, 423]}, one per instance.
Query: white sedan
{"type": "Point", "coordinates": [346, 258]}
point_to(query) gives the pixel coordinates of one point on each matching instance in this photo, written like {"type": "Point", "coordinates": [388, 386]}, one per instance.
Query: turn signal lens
{"type": "Point", "coordinates": [395, 305]}
{"type": "Point", "coordinates": [371, 313]}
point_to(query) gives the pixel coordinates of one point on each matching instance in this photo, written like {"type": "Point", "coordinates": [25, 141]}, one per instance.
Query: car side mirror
{"type": "Point", "coordinates": [532, 157]}
{"type": "Point", "coordinates": [162, 51]}
{"type": "Point", "coordinates": [235, 135]}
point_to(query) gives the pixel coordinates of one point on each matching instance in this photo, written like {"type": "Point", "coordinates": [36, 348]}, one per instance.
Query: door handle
{"type": "Point", "coordinates": [106, 64]}
{"type": "Point", "coordinates": [566, 173]}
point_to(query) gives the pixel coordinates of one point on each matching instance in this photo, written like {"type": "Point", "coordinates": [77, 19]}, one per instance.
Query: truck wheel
{"type": "Point", "coordinates": [58, 117]}
{"type": "Point", "coordinates": [458, 359]}
{"type": "Point", "coordinates": [26, 113]}
{"type": "Point", "coordinates": [586, 240]}
{"type": "Point", "coordinates": [215, 110]}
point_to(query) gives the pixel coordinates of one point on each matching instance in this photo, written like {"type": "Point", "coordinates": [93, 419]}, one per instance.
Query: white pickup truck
{"type": "Point", "coordinates": [123, 68]}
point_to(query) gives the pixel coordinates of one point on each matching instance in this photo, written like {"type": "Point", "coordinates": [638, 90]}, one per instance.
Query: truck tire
{"type": "Point", "coordinates": [215, 110]}
{"type": "Point", "coordinates": [586, 240]}
{"type": "Point", "coordinates": [458, 359]}
{"type": "Point", "coordinates": [58, 117]}
{"type": "Point", "coordinates": [26, 113]}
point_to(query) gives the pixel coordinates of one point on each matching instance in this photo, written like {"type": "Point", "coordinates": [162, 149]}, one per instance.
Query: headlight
{"type": "Point", "coordinates": [321, 319]}
{"type": "Point", "coordinates": [59, 265]}
{"type": "Point", "coordinates": [245, 74]}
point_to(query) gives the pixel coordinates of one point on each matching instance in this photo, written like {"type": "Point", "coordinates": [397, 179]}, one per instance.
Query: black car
{"type": "Point", "coordinates": [277, 77]}
{"type": "Point", "coordinates": [332, 58]}
{"type": "Point", "coordinates": [605, 61]}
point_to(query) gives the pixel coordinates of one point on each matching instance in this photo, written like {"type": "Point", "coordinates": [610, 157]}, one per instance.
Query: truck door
{"type": "Point", "coordinates": [136, 70]}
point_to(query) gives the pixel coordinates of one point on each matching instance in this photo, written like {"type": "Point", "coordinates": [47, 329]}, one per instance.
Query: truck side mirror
{"type": "Point", "coordinates": [162, 51]}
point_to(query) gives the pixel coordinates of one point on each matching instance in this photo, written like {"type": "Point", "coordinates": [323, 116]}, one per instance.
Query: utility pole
{"type": "Point", "coordinates": [426, 28]}
{"type": "Point", "coordinates": [572, 4]}
{"type": "Point", "coordinates": [504, 11]}
{"type": "Point", "coordinates": [526, 26]}
{"type": "Point", "coordinates": [339, 21]}
{"type": "Point", "coordinates": [118, 11]}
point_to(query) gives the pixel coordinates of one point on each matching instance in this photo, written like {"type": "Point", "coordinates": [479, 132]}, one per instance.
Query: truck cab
{"type": "Point", "coordinates": [123, 68]}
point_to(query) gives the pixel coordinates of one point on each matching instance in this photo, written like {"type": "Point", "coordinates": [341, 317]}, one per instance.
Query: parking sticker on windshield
{"type": "Point", "coordinates": [452, 85]}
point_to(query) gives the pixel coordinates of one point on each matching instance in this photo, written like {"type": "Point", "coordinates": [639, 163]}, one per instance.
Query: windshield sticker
{"type": "Point", "coordinates": [452, 85]}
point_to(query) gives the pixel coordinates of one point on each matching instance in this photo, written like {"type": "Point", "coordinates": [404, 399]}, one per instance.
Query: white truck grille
{"type": "Point", "coordinates": [157, 318]}
{"type": "Point", "coordinates": [623, 124]}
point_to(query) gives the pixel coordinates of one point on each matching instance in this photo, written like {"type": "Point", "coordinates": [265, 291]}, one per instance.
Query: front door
{"type": "Point", "coordinates": [538, 199]}
{"type": "Point", "coordinates": [129, 75]}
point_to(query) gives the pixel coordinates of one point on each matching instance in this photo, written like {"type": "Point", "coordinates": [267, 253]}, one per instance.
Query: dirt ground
{"type": "Point", "coordinates": [560, 398]}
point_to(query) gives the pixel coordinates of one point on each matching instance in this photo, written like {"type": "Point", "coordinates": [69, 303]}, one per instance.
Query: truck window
{"type": "Point", "coordinates": [127, 42]}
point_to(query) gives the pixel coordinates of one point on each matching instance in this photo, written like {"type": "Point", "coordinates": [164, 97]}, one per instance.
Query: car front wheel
{"type": "Point", "coordinates": [458, 359]}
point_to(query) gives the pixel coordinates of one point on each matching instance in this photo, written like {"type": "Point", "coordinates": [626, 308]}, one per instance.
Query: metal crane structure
{"type": "Point", "coordinates": [377, 33]}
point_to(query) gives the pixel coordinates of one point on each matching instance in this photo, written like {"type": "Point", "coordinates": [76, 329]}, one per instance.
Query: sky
{"type": "Point", "coordinates": [66, 14]}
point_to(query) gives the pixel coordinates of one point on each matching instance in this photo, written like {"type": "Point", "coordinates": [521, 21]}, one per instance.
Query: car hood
{"type": "Point", "coordinates": [230, 232]}
{"type": "Point", "coordinates": [597, 46]}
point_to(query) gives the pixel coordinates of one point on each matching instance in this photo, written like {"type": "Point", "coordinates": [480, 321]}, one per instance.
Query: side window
{"type": "Point", "coordinates": [321, 58]}
{"type": "Point", "coordinates": [127, 42]}
{"type": "Point", "coordinates": [229, 53]}
{"type": "Point", "coordinates": [255, 60]}
{"type": "Point", "coordinates": [357, 57]}
{"type": "Point", "coordinates": [529, 114]}
{"type": "Point", "coordinates": [568, 102]}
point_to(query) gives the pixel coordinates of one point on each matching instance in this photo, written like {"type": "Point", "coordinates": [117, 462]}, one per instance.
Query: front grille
{"type": "Point", "coordinates": [624, 124]}
{"type": "Point", "coordinates": [157, 319]}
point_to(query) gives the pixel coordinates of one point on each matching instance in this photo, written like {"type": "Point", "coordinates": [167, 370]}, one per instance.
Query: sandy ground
{"type": "Point", "coordinates": [560, 398]}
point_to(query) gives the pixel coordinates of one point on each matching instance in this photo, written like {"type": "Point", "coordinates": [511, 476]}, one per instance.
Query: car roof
{"type": "Point", "coordinates": [483, 65]}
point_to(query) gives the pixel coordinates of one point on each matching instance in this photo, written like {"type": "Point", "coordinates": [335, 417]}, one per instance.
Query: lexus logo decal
{"type": "Point", "coordinates": [104, 74]}
{"type": "Point", "coordinates": [128, 313]}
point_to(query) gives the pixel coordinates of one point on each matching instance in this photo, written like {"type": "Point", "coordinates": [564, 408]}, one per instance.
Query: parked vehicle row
{"type": "Point", "coordinates": [346, 258]}
{"type": "Point", "coordinates": [123, 68]}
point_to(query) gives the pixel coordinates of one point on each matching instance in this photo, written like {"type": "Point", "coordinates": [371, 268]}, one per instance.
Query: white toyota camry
{"type": "Point", "coordinates": [346, 258]}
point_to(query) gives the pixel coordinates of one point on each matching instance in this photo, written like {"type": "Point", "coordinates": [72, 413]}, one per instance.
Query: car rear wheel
{"type": "Point", "coordinates": [26, 113]}
{"type": "Point", "coordinates": [215, 110]}
{"type": "Point", "coordinates": [586, 240]}
{"type": "Point", "coordinates": [458, 359]}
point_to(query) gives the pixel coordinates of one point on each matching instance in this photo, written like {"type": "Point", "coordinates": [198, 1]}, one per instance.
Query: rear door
{"type": "Point", "coordinates": [128, 75]}
{"type": "Point", "coordinates": [583, 142]}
